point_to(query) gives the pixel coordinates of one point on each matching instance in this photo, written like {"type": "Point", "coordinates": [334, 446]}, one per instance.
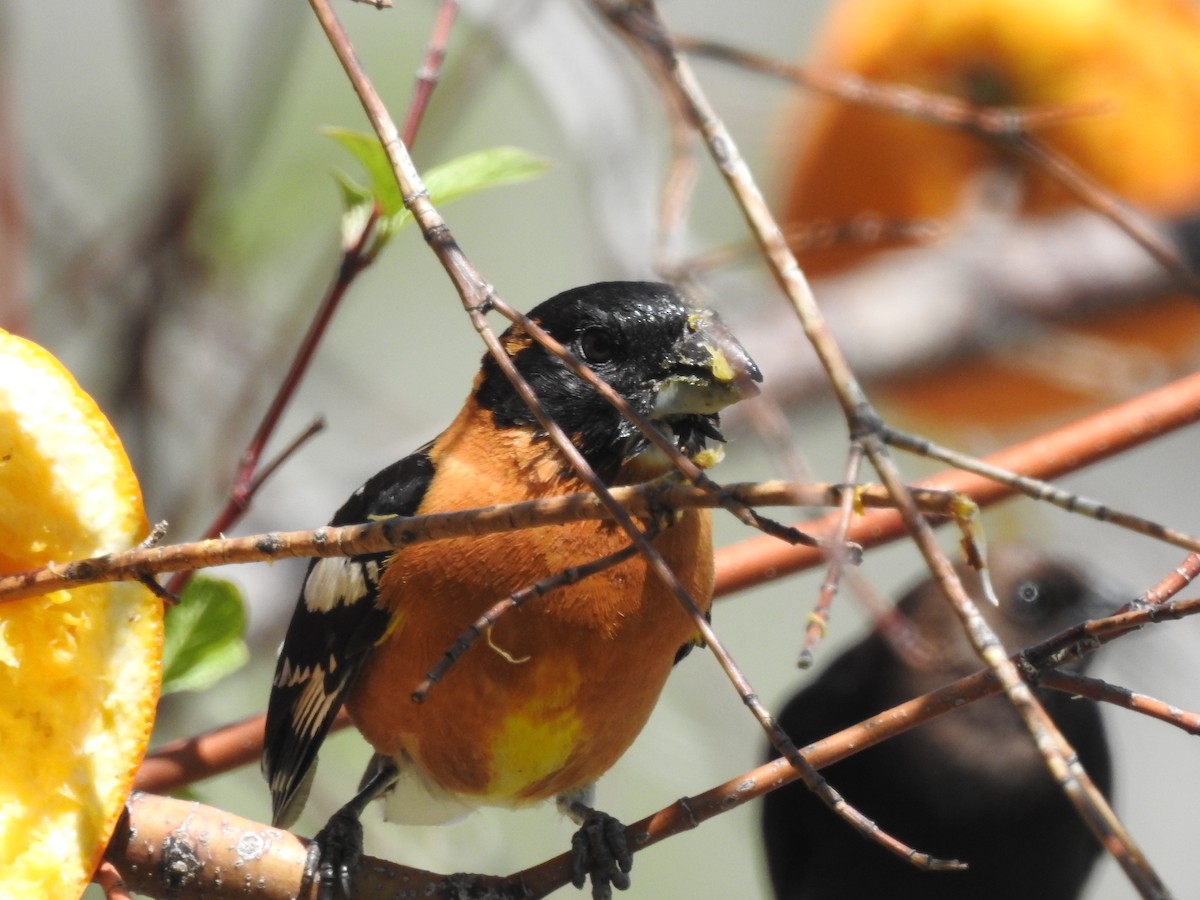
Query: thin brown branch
{"type": "Point", "coordinates": [1174, 581]}
{"type": "Point", "coordinates": [1066, 449]}
{"type": "Point", "coordinates": [401, 531]}
{"type": "Point", "coordinates": [430, 71]}
{"type": "Point", "coordinates": [901, 99]}
{"type": "Point", "coordinates": [355, 258]}
{"type": "Point", "coordinates": [191, 759]}
{"type": "Point", "coordinates": [247, 480]}
{"type": "Point", "coordinates": [866, 229]}
{"type": "Point", "coordinates": [1101, 691]}
{"type": "Point", "coordinates": [645, 500]}
{"type": "Point", "coordinates": [1085, 637]}
{"type": "Point", "coordinates": [818, 619]}
{"type": "Point", "coordinates": [1108, 204]}
{"type": "Point", "coordinates": [315, 427]}
{"type": "Point", "coordinates": [1042, 490]}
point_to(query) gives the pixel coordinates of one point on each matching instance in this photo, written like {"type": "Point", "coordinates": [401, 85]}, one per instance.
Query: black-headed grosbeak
{"type": "Point", "coordinates": [969, 785]}
{"type": "Point", "coordinates": [561, 686]}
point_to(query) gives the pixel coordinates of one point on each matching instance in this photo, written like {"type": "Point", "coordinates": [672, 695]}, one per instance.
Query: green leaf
{"type": "Point", "coordinates": [381, 184]}
{"type": "Point", "coordinates": [203, 641]}
{"type": "Point", "coordinates": [482, 169]}
{"type": "Point", "coordinates": [457, 178]}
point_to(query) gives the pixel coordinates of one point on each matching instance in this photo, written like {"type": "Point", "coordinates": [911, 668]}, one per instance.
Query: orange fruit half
{"type": "Point", "coordinates": [79, 669]}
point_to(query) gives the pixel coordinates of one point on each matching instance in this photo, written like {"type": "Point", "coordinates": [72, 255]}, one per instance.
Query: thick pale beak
{"type": "Point", "coordinates": [709, 371]}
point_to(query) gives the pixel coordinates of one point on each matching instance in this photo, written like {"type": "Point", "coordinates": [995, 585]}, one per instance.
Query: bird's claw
{"type": "Point", "coordinates": [600, 851]}
{"type": "Point", "coordinates": [333, 856]}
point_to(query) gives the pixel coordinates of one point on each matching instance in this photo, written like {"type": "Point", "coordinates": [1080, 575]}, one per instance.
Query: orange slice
{"type": "Point", "coordinates": [79, 669]}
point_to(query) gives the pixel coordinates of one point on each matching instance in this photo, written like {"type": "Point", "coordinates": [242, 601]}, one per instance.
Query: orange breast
{"type": "Point", "coordinates": [561, 687]}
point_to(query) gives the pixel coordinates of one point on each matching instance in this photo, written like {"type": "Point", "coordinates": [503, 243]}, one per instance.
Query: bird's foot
{"type": "Point", "coordinates": [600, 851]}
{"type": "Point", "coordinates": [333, 855]}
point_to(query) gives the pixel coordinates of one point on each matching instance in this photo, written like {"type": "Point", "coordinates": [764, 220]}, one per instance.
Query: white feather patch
{"type": "Point", "coordinates": [314, 704]}
{"type": "Point", "coordinates": [415, 800]}
{"type": "Point", "coordinates": [338, 580]}
{"type": "Point", "coordinates": [289, 675]}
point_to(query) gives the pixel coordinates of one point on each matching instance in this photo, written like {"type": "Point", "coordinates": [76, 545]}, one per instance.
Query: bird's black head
{"type": "Point", "coordinates": [673, 363]}
{"type": "Point", "coordinates": [1038, 593]}
{"type": "Point", "coordinates": [1041, 594]}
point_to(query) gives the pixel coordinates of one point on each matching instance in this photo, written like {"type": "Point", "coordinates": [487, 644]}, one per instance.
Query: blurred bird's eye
{"type": "Point", "coordinates": [1028, 592]}
{"type": "Point", "coordinates": [597, 345]}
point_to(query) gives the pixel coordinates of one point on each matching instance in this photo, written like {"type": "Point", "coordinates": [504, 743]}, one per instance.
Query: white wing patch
{"type": "Point", "coordinates": [338, 580]}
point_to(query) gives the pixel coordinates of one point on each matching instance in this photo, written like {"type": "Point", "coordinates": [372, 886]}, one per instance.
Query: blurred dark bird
{"type": "Point", "coordinates": [969, 785]}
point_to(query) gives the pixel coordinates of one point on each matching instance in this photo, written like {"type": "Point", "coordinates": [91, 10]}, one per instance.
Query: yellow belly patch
{"type": "Point", "coordinates": [536, 741]}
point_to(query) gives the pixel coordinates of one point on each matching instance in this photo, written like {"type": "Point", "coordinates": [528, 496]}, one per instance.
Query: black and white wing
{"type": "Point", "coordinates": [336, 624]}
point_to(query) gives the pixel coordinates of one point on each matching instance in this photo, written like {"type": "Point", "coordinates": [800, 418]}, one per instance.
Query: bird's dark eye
{"type": "Point", "coordinates": [1028, 591]}
{"type": "Point", "coordinates": [597, 345]}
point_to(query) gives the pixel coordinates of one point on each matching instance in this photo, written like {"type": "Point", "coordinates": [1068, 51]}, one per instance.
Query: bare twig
{"type": "Point", "coordinates": [1070, 645]}
{"type": "Point", "coordinates": [402, 531]}
{"type": "Point", "coordinates": [1173, 582]}
{"type": "Point", "coordinates": [1102, 691]}
{"type": "Point", "coordinates": [201, 756]}
{"type": "Point", "coordinates": [1066, 449]}
{"type": "Point", "coordinates": [1107, 204]}
{"type": "Point", "coordinates": [431, 69]}
{"type": "Point", "coordinates": [1041, 490]}
{"type": "Point", "coordinates": [639, 23]}
{"type": "Point", "coordinates": [901, 99]}
{"type": "Point", "coordinates": [818, 619]}
{"type": "Point", "coordinates": [865, 229]}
